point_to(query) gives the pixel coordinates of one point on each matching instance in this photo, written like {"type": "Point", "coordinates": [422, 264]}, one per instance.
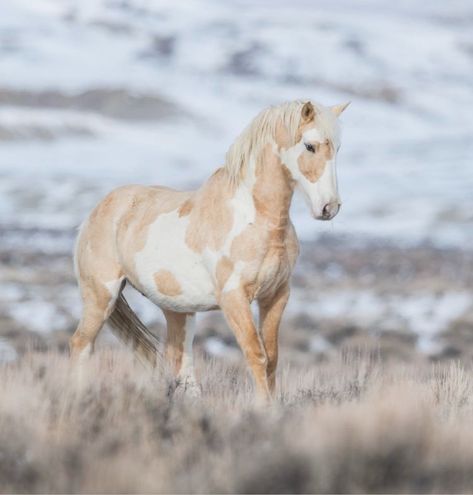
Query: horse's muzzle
{"type": "Point", "coordinates": [329, 210]}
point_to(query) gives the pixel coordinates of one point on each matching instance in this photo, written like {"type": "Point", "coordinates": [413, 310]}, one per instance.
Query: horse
{"type": "Point", "coordinates": [222, 246]}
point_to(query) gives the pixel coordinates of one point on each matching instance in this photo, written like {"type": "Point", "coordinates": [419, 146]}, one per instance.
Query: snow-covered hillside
{"type": "Point", "coordinates": [102, 92]}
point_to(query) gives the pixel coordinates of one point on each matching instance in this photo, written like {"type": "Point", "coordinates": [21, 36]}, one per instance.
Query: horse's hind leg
{"type": "Point", "coordinates": [99, 275]}
{"type": "Point", "coordinates": [82, 342]}
{"type": "Point", "coordinates": [100, 282]}
{"type": "Point", "coordinates": [180, 337]}
{"type": "Point", "coordinates": [98, 299]}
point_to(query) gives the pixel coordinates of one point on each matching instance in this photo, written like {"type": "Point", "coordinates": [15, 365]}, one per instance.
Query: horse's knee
{"type": "Point", "coordinates": [258, 361]}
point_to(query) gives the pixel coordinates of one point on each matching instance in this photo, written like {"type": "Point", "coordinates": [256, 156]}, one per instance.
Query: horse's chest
{"type": "Point", "coordinates": [275, 270]}
{"type": "Point", "coordinates": [273, 264]}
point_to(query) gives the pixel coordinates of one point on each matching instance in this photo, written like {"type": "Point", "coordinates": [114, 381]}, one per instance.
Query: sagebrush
{"type": "Point", "coordinates": [347, 425]}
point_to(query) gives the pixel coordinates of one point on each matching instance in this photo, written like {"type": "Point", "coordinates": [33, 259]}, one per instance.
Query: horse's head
{"type": "Point", "coordinates": [312, 160]}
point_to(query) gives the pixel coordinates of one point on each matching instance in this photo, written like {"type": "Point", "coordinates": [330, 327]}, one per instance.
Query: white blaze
{"type": "Point", "coordinates": [325, 189]}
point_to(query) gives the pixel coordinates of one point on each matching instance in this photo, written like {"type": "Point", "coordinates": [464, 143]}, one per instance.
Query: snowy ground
{"type": "Point", "coordinates": [98, 93]}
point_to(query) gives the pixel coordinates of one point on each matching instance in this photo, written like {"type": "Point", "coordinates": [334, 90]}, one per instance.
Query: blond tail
{"type": "Point", "coordinates": [132, 331]}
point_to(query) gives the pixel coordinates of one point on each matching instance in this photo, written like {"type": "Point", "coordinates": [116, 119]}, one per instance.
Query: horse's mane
{"type": "Point", "coordinates": [259, 132]}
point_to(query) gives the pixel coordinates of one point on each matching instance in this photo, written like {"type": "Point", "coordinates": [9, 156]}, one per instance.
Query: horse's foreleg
{"type": "Point", "coordinates": [237, 311]}
{"type": "Point", "coordinates": [179, 354]}
{"type": "Point", "coordinates": [270, 313]}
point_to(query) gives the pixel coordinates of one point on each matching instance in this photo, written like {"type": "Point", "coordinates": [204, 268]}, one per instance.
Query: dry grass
{"type": "Point", "coordinates": [348, 425]}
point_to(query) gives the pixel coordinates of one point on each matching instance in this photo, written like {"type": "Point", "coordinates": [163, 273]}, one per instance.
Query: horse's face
{"type": "Point", "coordinates": [312, 160]}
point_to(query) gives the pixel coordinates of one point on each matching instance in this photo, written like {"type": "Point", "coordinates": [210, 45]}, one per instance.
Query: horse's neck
{"type": "Point", "coordinates": [272, 191]}
{"type": "Point", "coordinates": [263, 197]}
{"type": "Point", "coordinates": [271, 188]}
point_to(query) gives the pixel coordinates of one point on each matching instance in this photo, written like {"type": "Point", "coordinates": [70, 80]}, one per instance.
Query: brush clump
{"type": "Point", "coordinates": [349, 424]}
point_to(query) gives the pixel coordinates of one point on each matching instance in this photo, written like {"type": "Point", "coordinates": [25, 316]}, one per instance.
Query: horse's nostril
{"type": "Point", "coordinates": [330, 210]}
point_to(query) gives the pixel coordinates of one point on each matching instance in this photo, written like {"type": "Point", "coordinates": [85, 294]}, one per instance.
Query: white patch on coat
{"type": "Point", "coordinates": [166, 249]}
{"type": "Point", "coordinates": [113, 286]}
{"type": "Point", "coordinates": [243, 214]}
{"type": "Point", "coordinates": [312, 136]}
{"type": "Point", "coordinates": [234, 280]}
{"type": "Point", "coordinates": [243, 208]}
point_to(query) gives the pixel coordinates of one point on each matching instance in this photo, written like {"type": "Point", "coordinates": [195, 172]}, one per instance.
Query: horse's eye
{"type": "Point", "coordinates": [310, 147]}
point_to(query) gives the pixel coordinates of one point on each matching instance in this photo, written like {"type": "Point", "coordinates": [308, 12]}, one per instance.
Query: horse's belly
{"type": "Point", "coordinates": [171, 274]}
{"type": "Point", "coordinates": [192, 296]}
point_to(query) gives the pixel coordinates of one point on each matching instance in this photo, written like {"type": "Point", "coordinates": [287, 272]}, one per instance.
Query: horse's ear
{"type": "Point", "coordinates": [338, 109]}
{"type": "Point", "coordinates": [307, 112]}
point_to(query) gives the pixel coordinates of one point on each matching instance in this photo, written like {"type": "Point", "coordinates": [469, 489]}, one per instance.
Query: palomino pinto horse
{"type": "Point", "coordinates": [222, 246]}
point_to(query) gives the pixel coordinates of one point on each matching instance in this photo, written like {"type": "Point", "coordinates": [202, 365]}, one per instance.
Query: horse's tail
{"type": "Point", "coordinates": [133, 332]}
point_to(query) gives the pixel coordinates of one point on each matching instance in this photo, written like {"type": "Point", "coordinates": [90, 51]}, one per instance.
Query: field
{"type": "Point", "coordinates": [348, 424]}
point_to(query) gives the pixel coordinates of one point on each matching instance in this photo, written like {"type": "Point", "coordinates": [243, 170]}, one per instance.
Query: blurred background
{"type": "Point", "coordinates": [99, 93]}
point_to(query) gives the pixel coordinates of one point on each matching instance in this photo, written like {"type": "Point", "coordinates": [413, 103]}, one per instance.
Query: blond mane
{"type": "Point", "coordinates": [261, 131]}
